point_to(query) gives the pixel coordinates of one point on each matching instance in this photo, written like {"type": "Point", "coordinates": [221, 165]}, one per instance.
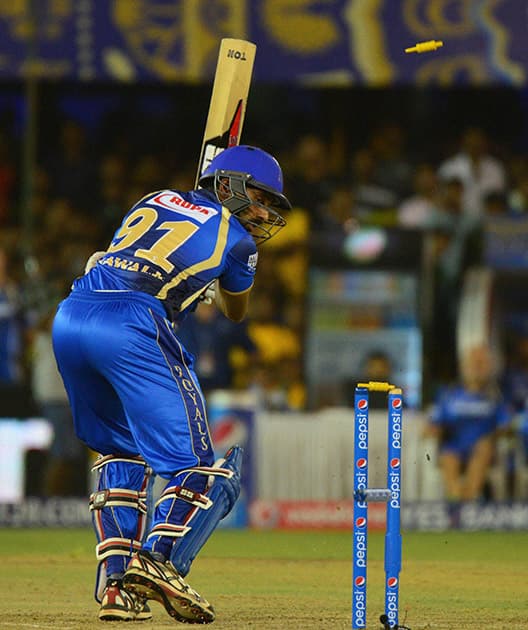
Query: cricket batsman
{"type": "Point", "coordinates": [131, 384]}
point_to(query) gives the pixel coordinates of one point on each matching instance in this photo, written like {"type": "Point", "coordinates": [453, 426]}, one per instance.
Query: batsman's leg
{"type": "Point", "coordinates": [187, 513]}
{"type": "Point", "coordinates": [119, 508]}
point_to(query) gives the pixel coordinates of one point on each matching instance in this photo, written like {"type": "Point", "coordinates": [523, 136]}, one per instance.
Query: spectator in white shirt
{"type": "Point", "coordinates": [479, 171]}
{"type": "Point", "coordinates": [422, 210]}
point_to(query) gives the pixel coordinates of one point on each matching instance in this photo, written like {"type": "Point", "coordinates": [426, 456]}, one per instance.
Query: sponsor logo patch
{"type": "Point", "coordinates": [359, 581]}
{"type": "Point", "coordinates": [252, 261]}
{"type": "Point", "coordinates": [172, 201]}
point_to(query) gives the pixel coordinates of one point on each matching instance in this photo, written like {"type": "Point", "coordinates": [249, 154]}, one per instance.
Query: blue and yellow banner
{"type": "Point", "coordinates": [319, 42]}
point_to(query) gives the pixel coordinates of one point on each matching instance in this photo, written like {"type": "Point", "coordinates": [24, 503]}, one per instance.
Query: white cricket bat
{"type": "Point", "coordinates": [228, 99]}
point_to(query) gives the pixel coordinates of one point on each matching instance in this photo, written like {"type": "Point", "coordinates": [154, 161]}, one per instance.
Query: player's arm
{"type": "Point", "coordinates": [233, 305]}
{"type": "Point", "coordinates": [233, 287]}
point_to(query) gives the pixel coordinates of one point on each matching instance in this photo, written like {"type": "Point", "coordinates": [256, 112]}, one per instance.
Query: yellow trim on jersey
{"type": "Point", "coordinates": [237, 292]}
{"type": "Point", "coordinates": [148, 195]}
{"type": "Point", "coordinates": [190, 299]}
{"type": "Point", "coordinates": [213, 261]}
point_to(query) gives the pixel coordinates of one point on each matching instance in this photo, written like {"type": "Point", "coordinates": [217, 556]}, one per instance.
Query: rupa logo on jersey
{"type": "Point", "coordinates": [171, 200]}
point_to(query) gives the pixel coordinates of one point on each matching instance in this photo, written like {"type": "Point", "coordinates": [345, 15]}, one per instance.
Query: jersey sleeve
{"type": "Point", "coordinates": [239, 272]}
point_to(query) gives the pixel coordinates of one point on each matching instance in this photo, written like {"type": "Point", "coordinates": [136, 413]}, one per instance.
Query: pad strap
{"type": "Point", "coordinates": [102, 460]}
{"type": "Point", "coordinates": [119, 497]}
{"type": "Point", "coordinates": [188, 495]}
{"type": "Point", "coordinates": [167, 529]}
{"type": "Point", "coordinates": [116, 547]}
{"type": "Point", "coordinates": [209, 470]}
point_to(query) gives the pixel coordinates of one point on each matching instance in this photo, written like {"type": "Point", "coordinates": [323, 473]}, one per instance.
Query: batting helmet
{"type": "Point", "coordinates": [235, 170]}
{"type": "Point", "coordinates": [264, 170]}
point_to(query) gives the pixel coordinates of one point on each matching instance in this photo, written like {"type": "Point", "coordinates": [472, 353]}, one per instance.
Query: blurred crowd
{"type": "Point", "coordinates": [88, 175]}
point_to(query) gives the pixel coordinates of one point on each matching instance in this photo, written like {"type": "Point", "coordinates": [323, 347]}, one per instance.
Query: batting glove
{"type": "Point", "coordinates": [208, 296]}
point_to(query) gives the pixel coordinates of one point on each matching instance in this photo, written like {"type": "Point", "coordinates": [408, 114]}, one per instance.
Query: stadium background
{"type": "Point", "coordinates": [101, 102]}
{"type": "Point", "coordinates": [104, 100]}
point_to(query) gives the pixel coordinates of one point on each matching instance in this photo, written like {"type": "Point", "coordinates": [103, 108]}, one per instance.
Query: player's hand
{"type": "Point", "coordinates": [92, 261]}
{"type": "Point", "coordinates": [208, 296]}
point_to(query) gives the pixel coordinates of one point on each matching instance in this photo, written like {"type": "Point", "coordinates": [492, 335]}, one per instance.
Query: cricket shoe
{"type": "Point", "coordinates": [119, 604]}
{"type": "Point", "coordinates": [155, 579]}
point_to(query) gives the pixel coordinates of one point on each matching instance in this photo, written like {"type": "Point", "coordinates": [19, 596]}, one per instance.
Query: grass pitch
{"type": "Point", "coordinates": [290, 580]}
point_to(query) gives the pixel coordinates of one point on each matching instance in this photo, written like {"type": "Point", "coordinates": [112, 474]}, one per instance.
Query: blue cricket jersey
{"type": "Point", "coordinates": [467, 416]}
{"type": "Point", "coordinates": [171, 245]}
{"type": "Point", "coordinates": [130, 381]}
